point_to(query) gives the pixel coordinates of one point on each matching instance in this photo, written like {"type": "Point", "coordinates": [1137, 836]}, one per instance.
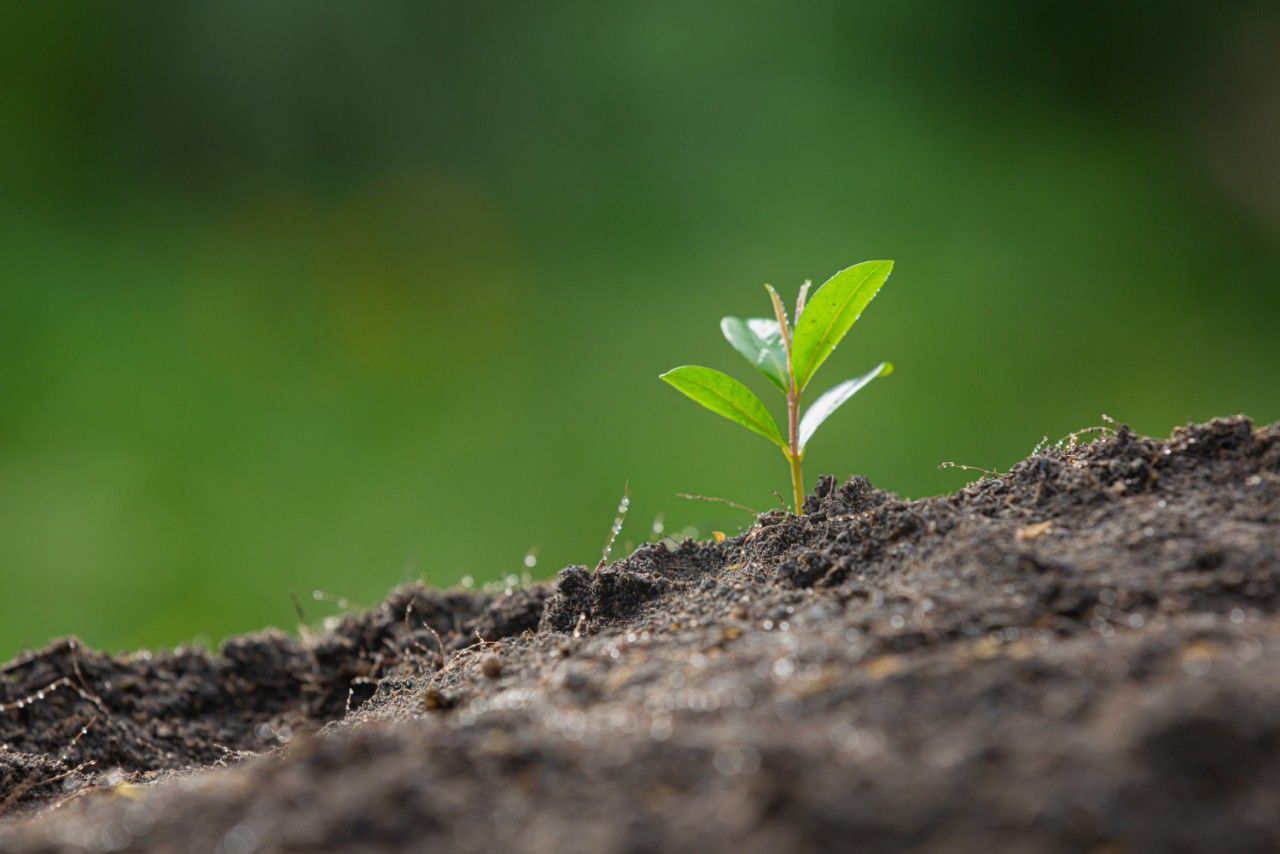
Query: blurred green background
{"type": "Point", "coordinates": [301, 296]}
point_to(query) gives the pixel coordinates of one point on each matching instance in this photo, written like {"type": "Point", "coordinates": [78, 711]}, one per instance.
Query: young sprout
{"type": "Point", "coordinates": [789, 356]}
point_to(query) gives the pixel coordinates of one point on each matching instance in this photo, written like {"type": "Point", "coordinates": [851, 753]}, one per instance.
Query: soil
{"type": "Point", "coordinates": [1081, 654]}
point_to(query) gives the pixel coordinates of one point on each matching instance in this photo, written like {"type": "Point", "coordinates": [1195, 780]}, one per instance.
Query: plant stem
{"type": "Point", "coordinates": [795, 456]}
{"type": "Point", "coordinates": [797, 482]}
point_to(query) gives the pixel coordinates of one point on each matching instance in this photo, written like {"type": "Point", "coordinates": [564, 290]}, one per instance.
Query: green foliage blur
{"type": "Point", "coordinates": [300, 296]}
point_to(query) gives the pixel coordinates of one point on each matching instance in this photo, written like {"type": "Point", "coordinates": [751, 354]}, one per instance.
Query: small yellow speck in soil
{"type": "Point", "coordinates": [1034, 532]}
{"type": "Point", "coordinates": [885, 665]}
{"type": "Point", "coordinates": [986, 648]}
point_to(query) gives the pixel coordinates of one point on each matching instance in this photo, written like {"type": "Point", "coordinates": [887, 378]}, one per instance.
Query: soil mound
{"type": "Point", "coordinates": [1082, 653]}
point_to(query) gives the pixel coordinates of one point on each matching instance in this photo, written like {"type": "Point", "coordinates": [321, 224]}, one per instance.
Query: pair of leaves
{"type": "Point", "coordinates": [825, 320]}
{"type": "Point", "coordinates": [724, 395]}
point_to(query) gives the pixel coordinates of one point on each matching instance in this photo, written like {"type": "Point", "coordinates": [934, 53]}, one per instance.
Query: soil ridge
{"type": "Point", "coordinates": [1082, 652]}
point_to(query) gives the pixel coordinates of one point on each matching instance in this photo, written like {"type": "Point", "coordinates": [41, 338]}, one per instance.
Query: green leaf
{"type": "Point", "coordinates": [830, 314]}
{"type": "Point", "coordinates": [724, 395]}
{"type": "Point", "coordinates": [760, 343]}
{"type": "Point", "coordinates": [833, 399]}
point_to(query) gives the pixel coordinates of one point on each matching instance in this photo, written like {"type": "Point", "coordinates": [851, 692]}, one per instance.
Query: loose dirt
{"type": "Point", "coordinates": [1081, 654]}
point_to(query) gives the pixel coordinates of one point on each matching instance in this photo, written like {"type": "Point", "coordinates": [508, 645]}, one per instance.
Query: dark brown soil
{"type": "Point", "coordinates": [1082, 654]}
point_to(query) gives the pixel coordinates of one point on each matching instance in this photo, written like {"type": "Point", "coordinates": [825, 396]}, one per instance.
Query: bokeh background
{"type": "Point", "coordinates": [300, 296]}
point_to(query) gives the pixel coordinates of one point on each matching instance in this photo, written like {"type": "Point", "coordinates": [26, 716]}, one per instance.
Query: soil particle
{"type": "Point", "coordinates": [491, 666]}
{"type": "Point", "coordinates": [1083, 653]}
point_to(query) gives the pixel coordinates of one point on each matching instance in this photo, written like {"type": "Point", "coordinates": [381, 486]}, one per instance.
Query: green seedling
{"type": "Point", "coordinates": [789, 356]}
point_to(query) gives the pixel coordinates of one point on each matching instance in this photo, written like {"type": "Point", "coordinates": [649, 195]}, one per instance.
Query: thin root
{"type": "Point", "coordinates": [438, 653]}
{"type": "Point", "coordinates": [717, 500]}
{"type": "Point", "coordinates": [57, 684]}
{"type": "Point", "coordinates": [994, 473]}
{"type": "Point", "coordinates": [32, 783]}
